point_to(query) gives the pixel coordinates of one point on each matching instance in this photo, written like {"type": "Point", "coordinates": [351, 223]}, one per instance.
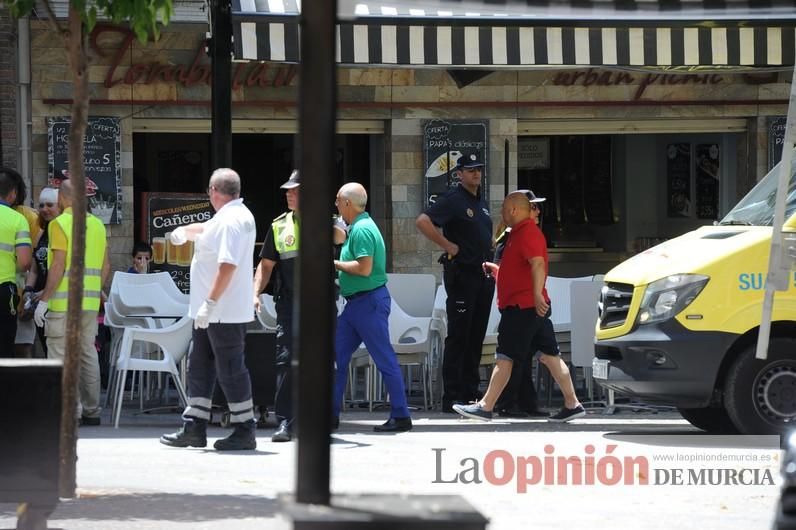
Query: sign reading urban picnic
{"type": "Point", "coordinates": [444, 143]}
{"type": "Point", "coordinates": [163, 212]}
{"type": "Point", "coordinates": [102, 156]}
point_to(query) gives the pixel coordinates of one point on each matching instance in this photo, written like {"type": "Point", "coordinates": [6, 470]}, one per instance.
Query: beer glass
{"type": "Point", "coordinates": [159, 250]}
{"type": "Point", "coordinates": [185, 253]}
{"type": "Point", "coordinates": [171, 250]}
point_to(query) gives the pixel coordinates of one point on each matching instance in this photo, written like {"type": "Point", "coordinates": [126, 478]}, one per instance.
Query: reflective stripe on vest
{"type": "Point", "coordinates": [286, 237]}
{"type": "Point", "coordinates": [92, 275]}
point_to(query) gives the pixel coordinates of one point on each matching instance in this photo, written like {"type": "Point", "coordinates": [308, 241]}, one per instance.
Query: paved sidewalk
{"type": "Point", "coordinates": [127, 480]}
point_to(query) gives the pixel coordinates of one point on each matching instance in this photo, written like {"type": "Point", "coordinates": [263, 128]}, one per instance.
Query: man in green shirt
{"type": "Point", "coordinates": [363, 279]}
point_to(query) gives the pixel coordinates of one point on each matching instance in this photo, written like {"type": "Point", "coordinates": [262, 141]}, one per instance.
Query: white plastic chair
{"type": "Point", "coordinates": [413, 292]}
{"type": "Point", "coordinates": [412, 339]}
{"type": "Point", "coordinates": [558, 291]}
{"type": "Point", "coordinates": [439, 328]}
{"type": "Point", "coordinates": [141, 294]}
{"type": "Point", "coordinates": [116, 323]}
{"type": "Point", "coordinates": [173, 342]}
{"type": "Point", "coordinates": [584, 297]}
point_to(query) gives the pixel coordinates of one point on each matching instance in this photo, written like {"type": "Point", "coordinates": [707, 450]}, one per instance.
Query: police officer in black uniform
{"type": "Point", "coordinates": [278, 259]}
{"type": "Point", "coordinates": [277, 265]}
{"type": "Point", "coordinates": [466, 240]}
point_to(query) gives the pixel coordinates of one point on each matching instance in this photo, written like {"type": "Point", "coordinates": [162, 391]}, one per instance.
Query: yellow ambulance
{"type": "Point", "coordinates": [678, 323]}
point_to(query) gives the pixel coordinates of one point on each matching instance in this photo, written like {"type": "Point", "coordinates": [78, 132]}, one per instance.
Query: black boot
{"type": "Point", "coordinates": [283, 433]}
{"type": "Point", "coordinates": [192, 434]}
{"type": "Point", "coordinates": [241, 439]}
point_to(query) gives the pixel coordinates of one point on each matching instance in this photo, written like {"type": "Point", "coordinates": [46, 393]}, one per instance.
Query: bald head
{"type": "Point", "coordinates": [516, 208]}
{"type": "Point", "coordinates": [66, 193]}
{"type": "Point", "coordinates": [519, 200]}
{"type": "Point", "coordinates": [355, 192]}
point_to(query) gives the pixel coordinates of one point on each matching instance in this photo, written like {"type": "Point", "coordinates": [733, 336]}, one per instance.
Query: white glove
{"type": "Point", "coordinates": [179, 237]}
{"type": "Point", "coordinates": [202, 319]}
{"type": "Point", "coordinates": [38, 315]}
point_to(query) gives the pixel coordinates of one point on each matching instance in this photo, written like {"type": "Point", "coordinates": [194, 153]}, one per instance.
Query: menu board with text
{"type": "Point", "coordinates": [163, 212]}
{"type": "Point", "coordinates": [102, 160]}
{"type": "Point", "coordinates": [444, 143]}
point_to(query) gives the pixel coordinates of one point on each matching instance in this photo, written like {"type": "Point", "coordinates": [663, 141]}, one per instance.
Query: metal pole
{"type": "Point", "coordinates": [778, 265]}
{"type": "Point", "coordinates": [315, 312]}
{"type": "Point", "coordinates": [506, 168]}
{"type": "Point", "coordinates": [221, 91]}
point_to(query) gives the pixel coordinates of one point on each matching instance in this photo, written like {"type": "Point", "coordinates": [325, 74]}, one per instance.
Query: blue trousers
{"type": "Point", "coordinates": [365, 319]}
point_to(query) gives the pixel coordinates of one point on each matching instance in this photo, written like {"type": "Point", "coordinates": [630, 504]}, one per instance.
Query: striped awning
{"type": "Point", "coordinates": [622, 33]}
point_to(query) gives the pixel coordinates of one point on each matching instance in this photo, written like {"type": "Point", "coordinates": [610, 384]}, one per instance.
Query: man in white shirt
{"type": "Point", "coordinates": [221, 295]}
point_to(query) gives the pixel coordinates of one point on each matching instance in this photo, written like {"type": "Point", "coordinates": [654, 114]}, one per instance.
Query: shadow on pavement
{"type": "Point", "coordinates": [182, 507]}
{"type": "Point", "coordinates": [694, 438]}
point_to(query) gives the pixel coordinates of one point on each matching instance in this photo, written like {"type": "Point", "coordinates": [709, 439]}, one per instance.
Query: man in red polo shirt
{"type": "Point", "coordinates": [525, 325]}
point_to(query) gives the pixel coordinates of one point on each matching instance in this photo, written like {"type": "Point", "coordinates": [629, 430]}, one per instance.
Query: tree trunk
{"type": "Point", "coordinates": [76, 53]}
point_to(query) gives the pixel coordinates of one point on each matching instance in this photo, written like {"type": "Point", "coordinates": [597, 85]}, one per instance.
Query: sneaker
{"type": "Point", "coordinates": [474, 411]}
{"type": "Point", "coordinates": [564, 415]}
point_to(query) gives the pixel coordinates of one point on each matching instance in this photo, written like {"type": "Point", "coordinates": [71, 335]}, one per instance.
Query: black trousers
{"type": "Point", "coordinates": [469, 302]}
{"type": "Point", "coordinates": [217, 352]}
{"type": "Point", "coordinates": [9, 299]}
{"type": "Point", "coordinates": [283, 398]}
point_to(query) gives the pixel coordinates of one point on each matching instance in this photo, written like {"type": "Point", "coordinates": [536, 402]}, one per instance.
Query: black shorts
{"type": "Point", "coordinates": [521, 333]}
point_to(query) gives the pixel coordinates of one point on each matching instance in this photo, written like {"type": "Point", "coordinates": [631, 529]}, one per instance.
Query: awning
{"type": "Point", "coordinates": [618, 33]}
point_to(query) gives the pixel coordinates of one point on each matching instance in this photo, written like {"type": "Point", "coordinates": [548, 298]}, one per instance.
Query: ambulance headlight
{"type": "Point", "coordinates": [666, 297]}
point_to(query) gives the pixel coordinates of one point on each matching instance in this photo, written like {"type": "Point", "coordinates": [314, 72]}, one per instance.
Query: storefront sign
{"type": "Point", "coordinates": [533, 153]}
{"type": "Point", "coordinates": [678, 180]}
{"type": "Point", "coordinates": [595, 77]}
{"type": "Point", "coordinates": [708, 165]}
{"type": "Point", "coordinates": [246, 74]}
{"type": "Point", "coordinates": [776, 137]}
{"type": "Point", "coordinates": [163, 212]}
{"type": "Point", "coordinates": [102, 159]}
{"type": "Point", "coordinates": [444, 142]}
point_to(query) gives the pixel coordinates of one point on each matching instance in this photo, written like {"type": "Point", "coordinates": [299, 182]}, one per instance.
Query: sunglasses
{"type": "Point", "coordinates": [47, 204]}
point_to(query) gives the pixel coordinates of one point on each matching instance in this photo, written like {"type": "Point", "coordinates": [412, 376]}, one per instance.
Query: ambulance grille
{"type": "Point", "coordinates": [614, 304]}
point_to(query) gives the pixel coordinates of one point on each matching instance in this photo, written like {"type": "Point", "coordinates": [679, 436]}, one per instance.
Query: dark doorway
{"type": "Point", "coordinates": [170, 162]}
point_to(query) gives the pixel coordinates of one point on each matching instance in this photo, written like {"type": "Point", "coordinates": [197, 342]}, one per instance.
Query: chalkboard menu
{"type": "Point", "coordinates": [678, 180]}
{"type": "Point", "coordinates": [163, 212]}
{"type": "Point", "coordinates": [102, 156]}
{"type": "Point", "coordinates": [776, 138]}
{"type": "Point", "coordinates": [444, 142]}
{"type": "Point", "coordinates": [708, 167]}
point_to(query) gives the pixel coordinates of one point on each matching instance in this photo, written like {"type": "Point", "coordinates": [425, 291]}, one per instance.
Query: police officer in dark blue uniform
{"type": "Point", "coordinates": [466, 240]}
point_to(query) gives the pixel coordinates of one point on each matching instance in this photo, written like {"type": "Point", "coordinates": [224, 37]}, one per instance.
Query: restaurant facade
{"type": "Point", "coordinates": [625, 156]}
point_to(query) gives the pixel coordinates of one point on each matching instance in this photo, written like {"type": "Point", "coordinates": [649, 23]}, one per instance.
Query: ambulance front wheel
{"type": "Point", "coordinates": [760, 395]}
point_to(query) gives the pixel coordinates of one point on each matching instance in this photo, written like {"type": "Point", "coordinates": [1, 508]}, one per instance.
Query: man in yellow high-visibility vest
{"type": "Point", "coordinates": [52, 305]}
{"type": "Point", "coordinates": [15, 255]}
